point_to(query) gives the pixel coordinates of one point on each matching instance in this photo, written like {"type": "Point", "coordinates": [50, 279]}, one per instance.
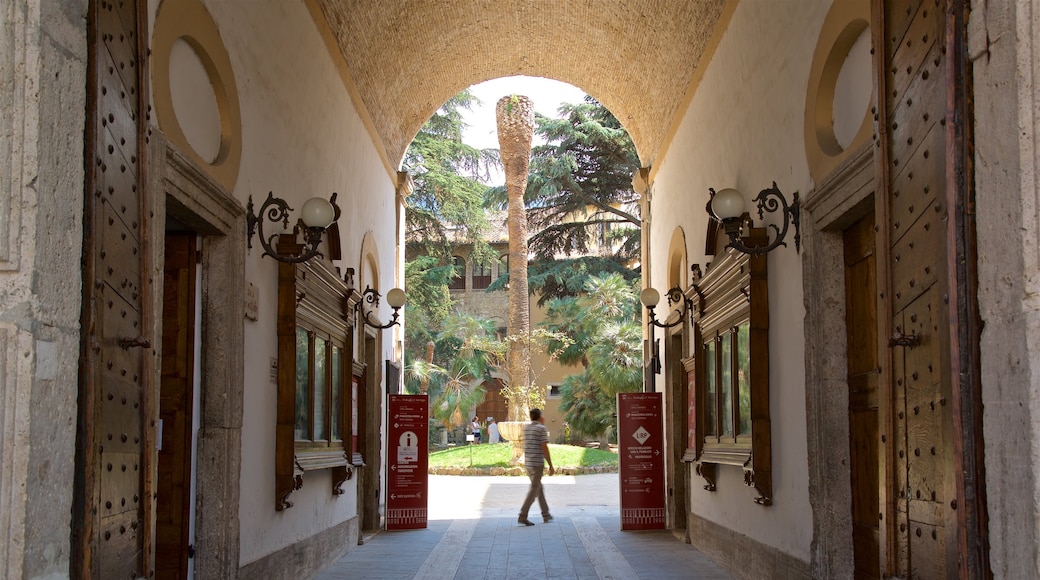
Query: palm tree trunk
{"type": "Point", "coordinates": [515, 119]}
{"type": "Point", "coordinates": [424, 382]}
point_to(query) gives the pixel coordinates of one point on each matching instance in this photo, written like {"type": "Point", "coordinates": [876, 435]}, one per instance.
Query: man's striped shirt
{"type": "Point", "coordinates": [534, 435]}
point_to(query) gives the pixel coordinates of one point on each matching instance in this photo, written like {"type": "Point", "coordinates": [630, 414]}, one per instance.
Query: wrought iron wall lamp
{"type": "Point", "coordinates": [316, 216]}
{"type": "Point", "coordinates": [727, 206]}
{"type": "Point", "coordinates": [370, 299]}
{"type": "Point", "coordinates": [650, 298]}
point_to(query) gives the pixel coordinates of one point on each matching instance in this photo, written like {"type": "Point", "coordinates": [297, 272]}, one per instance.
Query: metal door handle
{"type": "Point", "coordinates": [908, 340]}
{"type": "Point", "coordinates": [140, 341]}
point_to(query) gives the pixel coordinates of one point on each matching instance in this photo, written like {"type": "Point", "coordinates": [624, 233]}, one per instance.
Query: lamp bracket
{"type": "Point", "coordinates": [275, 209]}
{"type": "Point", "coordinates": [675, 297]}
{"type": "Point", "coordinates": [770, 200]}
{"type": "Point", "coordinates": [370, 299]}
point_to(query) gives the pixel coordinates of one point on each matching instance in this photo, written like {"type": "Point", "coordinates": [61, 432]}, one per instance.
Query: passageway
{"type": "Point", "coordinates": [473, 533]}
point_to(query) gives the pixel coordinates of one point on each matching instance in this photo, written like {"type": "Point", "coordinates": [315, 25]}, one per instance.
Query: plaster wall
{"type": "Point", "coordinates": [301, 137]}
{"type": "Point", "coordinates": [744, 129]}
{"type": "Point", "coordinates": [1005, 53]}
{"type": "Point", "coordinates": [546, 373]}
{"type": "Point", "coordinates": [43, 57]}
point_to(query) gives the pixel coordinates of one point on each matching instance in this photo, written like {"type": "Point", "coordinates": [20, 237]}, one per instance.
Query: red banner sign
{"type": "Point", "coordinates": [407, 462]}
{"type": "Point", "coordinates": [641, 451]}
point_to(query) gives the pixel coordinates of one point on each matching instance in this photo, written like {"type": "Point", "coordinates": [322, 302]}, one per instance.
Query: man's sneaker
{"type": "Point", "coordinates": [547, 519]}
{"type": "Point", "coordinates": [524, 521]}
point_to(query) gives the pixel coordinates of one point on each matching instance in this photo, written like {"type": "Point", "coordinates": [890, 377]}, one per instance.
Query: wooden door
{"type": "Point", "coordinates": [371, 413]}
{"type": "Point", "coordinates": [493, 405]}
{"type": "Point", "coordinates": [173, 504]}
{"type": "Point", "coordinates": [922, 95]}
{"type": "Point", "coordinates": [864, 447]}
{"type": "Point", "coordinates": [676, 432]}
{"type": "Point", "coordinates": [113, 509]}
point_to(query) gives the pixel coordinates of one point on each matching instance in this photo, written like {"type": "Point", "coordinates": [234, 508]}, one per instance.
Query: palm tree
{"type": "Point", "coordinates": [515, 119]}
{"type": "Point", "coordinates": [453, 391]}
{"type": "Point", "coordinates": [607, 338]}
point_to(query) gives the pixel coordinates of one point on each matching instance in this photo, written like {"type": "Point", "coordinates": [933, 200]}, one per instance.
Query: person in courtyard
{"type": "Point", "coordinates": [493, 436]}
{"type": "Point", "coordinates": [475, 429]}
{"type": "Point", "coordinates": [536, 455]}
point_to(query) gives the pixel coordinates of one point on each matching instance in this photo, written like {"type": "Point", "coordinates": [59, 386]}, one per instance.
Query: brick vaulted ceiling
{"type": "Point", "coordinates": [402, 59]}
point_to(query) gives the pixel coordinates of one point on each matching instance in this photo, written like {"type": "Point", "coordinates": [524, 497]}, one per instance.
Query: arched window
{"type": "Point", "coordinates": [458, 281]}
{"type": "Point", "coordinates": [503, 265]}
{"type": "Point", "coordinates": [481, 276]}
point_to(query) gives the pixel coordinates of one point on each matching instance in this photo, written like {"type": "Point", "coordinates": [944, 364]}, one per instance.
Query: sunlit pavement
{"type": "Point", "coordinates": [473, 533]}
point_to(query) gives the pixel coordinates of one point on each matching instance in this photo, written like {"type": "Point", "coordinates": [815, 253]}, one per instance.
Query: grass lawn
{"type": "Point", "coordinates": [499, 454]}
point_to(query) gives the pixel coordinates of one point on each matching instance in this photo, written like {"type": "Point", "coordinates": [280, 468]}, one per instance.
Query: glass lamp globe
{"type": "Point", "coordinates": [649, 297]}
{"type": "Point", "coordinates": [728, 203]}
{"type": "Point", "coordinates": [395, 298]}
{"type": "Point", "coordinates": [317, 213]}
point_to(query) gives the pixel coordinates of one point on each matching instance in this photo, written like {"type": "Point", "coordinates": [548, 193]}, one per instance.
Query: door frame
{"type": "Point", "coordinates": [839, 201]}
{"type": "Point", "coordinates": [180, 189]}
{"type": "Point", "coordinates": [677, 473]}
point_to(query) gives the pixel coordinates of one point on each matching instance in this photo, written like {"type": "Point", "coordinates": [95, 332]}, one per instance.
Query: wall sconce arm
{"type": "Point", "coordinates": [768, 200]}
{"type": "Point", "coordinates": [675, 296]}
{"type": "Point", "coordinates": [370, 299]}
{"type": "Point", "coordinates": [318, 215]}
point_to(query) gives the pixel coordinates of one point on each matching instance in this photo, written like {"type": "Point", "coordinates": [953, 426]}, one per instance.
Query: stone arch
{"type": "Point", "coordinates": [677, 270]}
{"type": "Point", "coordinates": [644, 79]}
{"type": "Point", "coordinates": [368, 262]}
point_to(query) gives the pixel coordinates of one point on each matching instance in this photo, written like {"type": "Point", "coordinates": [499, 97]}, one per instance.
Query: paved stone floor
{"type": "Point", "coordinates": [472, 533]}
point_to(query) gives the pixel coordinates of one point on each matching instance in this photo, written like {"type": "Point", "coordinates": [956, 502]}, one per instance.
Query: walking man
{"type": "Point", "coordinates": [536, 454]}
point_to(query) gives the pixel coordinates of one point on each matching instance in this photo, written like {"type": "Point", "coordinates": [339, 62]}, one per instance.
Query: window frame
{"type": "Point", "coordinates": [331, 344]}
{"type": "Point", "coordinates": [481, 276]}
{"type": "Point", "coordinates": [312, 298]}
{"type": "Point", "coordinates": [733, 292]}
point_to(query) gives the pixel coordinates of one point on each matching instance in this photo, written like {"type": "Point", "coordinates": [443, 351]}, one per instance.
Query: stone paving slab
{"type": "Point", "coordinates": [472, 533]}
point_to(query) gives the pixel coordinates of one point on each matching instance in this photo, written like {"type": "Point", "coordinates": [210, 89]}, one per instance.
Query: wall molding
{"type": "Point", "coordinates": [19, 115]}
{"type": "Point", "coordinates": [182, 190]}
{"type": "Point", "coordinates": [15, 387]}
{"type": "Point", "coordinates": [836, 203]}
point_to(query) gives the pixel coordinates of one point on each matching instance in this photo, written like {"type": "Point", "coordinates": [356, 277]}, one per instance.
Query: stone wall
{"type": "Point", "coordinates": [43, 57]}
{"type": "Point", "coordinates": [1006, 65]}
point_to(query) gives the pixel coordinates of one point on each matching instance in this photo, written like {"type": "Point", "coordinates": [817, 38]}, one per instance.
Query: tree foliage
{"type": "Point", "coordinates": [566, 277]}
{"type": "Point", "coordinates": [455, 378]}
{"type": "Point", "coordinates": [579, 193]}
{"type": "Point", "coordinates": [444, 210]}
{"type": "Point", "coordinates": [522, 394]}
{"type": "Point", "coordinates": [446, 206]}
{"type": "Point", "coordinates": [582, 210]}
{"type": "Point", "coordinates": [605, 338]}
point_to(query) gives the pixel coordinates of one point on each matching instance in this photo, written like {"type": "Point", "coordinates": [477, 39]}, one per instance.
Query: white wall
{"type": "Point", "coordinates": [744, 129]}
{"type": "Point", "coordinates": [43, 66]}
{"type": "Point", "coordinates": [301, 137]}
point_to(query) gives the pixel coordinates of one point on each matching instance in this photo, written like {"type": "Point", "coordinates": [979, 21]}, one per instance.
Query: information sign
{"type": "Point", "coordinates": [641, 451]}
{"type": "Point", "coordinates": [407, 462]}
